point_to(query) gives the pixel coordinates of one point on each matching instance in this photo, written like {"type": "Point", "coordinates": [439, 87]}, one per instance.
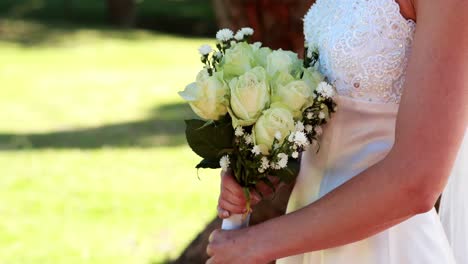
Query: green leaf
{"type": "Point", "coordinates": [289, 173]}
{"type": "Point", "coordinates": [209, 140]}
{"type": "Point", "coordinates": [208, 164]}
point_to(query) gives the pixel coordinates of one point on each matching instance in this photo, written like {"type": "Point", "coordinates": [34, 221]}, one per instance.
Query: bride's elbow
{"type": "Point", "coordinates": [422, 196]}
{"type": "Point", "coordinates": [423, 204]}
{"type": "Point", "coordinates": [419, 184]}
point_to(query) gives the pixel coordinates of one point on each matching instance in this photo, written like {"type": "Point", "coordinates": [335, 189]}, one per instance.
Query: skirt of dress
{"type": "Point", "coordinates": [359, 135]}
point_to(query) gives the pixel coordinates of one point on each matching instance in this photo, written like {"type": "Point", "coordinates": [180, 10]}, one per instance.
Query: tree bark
{"type": "Point", "coordinates": [122, 12]}
{"type": "Point", "coordinates": [277, 23]}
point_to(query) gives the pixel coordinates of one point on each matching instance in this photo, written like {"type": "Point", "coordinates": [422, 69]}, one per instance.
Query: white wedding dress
{"type": "Point", "coordinates": [364, 47]}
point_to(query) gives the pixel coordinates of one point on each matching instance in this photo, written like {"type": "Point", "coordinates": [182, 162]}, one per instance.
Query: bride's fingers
{"type": "Point", "coordinates": [266, 189]}
{"type": "Point", "coordinates": [232, 208]}
{"type": "Point", "coordinates": [223, 213]}
{"type": "Point", "coordinates": [229, 183]}
{"type": "Point", "coordinates": [235, 198]}
{"type": "Point", "coordinates": [238, 202]}
{"type": "Point", "coordinates": [255, 198]}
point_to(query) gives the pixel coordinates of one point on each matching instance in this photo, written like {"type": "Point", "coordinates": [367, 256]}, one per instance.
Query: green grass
{"type": "Point", "coordinates": [93, 163]}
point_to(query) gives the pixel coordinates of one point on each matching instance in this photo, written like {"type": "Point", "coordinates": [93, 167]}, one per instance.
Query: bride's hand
{"type": "Point", "coordinates": [232, 247]}
{"type": "Point", "coordinates": [232, 199]}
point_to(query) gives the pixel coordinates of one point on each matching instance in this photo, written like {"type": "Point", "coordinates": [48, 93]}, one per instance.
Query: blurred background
{"type": "Point", "coordinates": [94, 167]}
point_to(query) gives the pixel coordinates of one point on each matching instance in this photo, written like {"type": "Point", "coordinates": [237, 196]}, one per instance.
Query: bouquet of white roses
{"type": "Point", "coordinates": [260, 108]}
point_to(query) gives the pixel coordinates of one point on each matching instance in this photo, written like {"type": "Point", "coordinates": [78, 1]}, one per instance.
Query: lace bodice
{"type": "Point", "coordinates": [364, 46]}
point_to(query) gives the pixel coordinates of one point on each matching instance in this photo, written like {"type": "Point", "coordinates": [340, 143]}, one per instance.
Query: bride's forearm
{"type": "Point", "coordinates": [430, 126]}
{"type": "Point", "coordinates": [358, 209]}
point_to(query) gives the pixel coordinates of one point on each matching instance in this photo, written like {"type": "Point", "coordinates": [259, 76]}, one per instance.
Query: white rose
{"type": "Point", "coordinates": [312, 77]}
{"type": "Point", "coordinates": [273, 120]}
{"type": "Point", "coordinates": [206, 96]}
{"type": "Point", "coordinates": [237, 60]}
{"type": "Point", "coordinates": [281, 61]}
{"type": "Point", "coordinates": [261, 55]}
{"type": "Point", "coordinates": [250, 95]}
{"type": "Point", "coordinates": [294, 95]}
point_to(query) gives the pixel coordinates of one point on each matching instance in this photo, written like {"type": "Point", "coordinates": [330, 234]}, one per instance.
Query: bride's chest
{"type": "Point", "coordinates": [364, 46]}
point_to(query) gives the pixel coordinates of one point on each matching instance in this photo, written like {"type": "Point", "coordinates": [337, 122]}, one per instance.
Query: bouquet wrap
{"type": "Point", "coordinates": [236, 221]}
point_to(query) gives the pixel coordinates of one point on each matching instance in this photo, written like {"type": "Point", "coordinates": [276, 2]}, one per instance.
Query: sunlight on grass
{"type": "Point", "coordinates": [64, 197]}
{"type": "Point", "coordinates": [90, 77]}
{"type": "Point", "coordinates": [109, 203]}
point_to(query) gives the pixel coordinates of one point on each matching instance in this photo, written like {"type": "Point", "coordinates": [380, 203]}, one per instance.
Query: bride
{"type": "Point", "coordinates": [367, 197]}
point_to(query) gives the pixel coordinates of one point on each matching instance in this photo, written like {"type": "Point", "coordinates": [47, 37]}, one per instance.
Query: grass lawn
{"type": "Point", "coordinates": [93, 163]}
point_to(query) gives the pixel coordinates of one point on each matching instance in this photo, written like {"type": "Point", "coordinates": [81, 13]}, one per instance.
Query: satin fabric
{"type": "Point", "coordinates": [454, 205]}
{"type": "Point", "coordinates": [359, 135]}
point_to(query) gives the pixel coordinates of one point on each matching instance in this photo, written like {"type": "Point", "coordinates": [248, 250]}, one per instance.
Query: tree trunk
{"type": "Point", "coordinates": [122, 12]}
{"type": "Point", "coordinates": [277, 23]}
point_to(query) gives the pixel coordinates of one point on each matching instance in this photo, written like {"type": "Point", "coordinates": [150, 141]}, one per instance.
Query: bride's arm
{"type": "Point", "coordinates": [432, 119]}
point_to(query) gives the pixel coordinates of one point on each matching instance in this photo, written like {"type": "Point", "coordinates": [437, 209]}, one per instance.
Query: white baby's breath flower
{"type": "Point", "coordinates": [239, 132]}
{"type": "Point", "coordinates": [283, 160]}
{"type": "Point", "coordinates": [224, 35]}
{"type": "Point", "coordinates": [274, 166]}
{"type": "Point", "coordinates": [278, 135]}
{"type": "Point", "coordinates": [224, 162]}
{"type": "Point", "coordinates": [265, 163]}
{"type": "Point", "coordinates": [239, 36]}
{"type": "Point", "coordinates": [261, 170]}
{"type": "Point", "coordinates": [256, 150]}
{"type": "Point", "coordinates": [291, 137]}
{"type": "Point", "coordinates": [248, 139]}
{"type": "Point", "coordinates": [247, 31]}
{"type": "Point", "coordinates": [308, 128]}
{"type": "Point", "coordinates": [205, 49]}
{"type": "Point", "coordinates": [300, 139]}
{"type": "Point", "coordinates": [295, 155]}
{"type": "Point", "coordinates": [325, 89]}
{"type": "Point", "coordinates": [318, 130]}
{"type": "Point", "coordinates": [310, 115]}
{"type": "Point", "coordinates": [322, 115]}
{"type": "Point", "coordinates": [299, 126]}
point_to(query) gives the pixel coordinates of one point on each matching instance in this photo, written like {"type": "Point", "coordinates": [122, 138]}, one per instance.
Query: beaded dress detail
{"type": "Point", "coordinates": [364, 46]}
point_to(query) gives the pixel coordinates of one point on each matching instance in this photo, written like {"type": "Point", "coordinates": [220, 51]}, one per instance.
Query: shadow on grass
{"type": "Point", "coordinates": [31, 22]}
{"type": "Point", "coordinates": [29, 33]}
{"type": "Point", "coordinates": [165, 127]}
